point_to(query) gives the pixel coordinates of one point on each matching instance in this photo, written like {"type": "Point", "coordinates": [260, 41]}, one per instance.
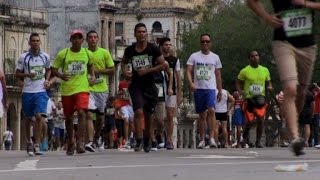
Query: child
{"type": "Point", "coordinates": [238, 117]}
{"type": "Point", "coordinates": [109, 124]}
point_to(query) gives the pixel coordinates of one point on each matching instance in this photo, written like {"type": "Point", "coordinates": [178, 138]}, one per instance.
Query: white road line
{"type": "Point", "coordinates": [27, 165]}
{"type": "Point", "coordinates": [158, 165]}
{"type": "Point", "coordinates": [214, 157]}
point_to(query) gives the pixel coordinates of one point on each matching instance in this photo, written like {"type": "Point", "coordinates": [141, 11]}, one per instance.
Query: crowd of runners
{"type": "Point", "coordinates": [140, 115]}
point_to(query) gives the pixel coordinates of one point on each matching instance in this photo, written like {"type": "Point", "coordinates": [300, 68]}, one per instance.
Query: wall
{"type": "Point", "coordinates": [65, 15]}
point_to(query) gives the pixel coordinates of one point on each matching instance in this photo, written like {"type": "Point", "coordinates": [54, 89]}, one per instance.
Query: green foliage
{"type": "Point", "coordinates": [235, 31]}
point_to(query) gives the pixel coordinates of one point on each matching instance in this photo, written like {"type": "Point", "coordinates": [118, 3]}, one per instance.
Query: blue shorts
{"type": "Point", "coordinates": [58, 132]}
{"type": "Point", "coordinates": [204, 99]}
{"type": "Point", "coordinates": [34, 103]}
{"type": "Point", "coordinates": [238, 117]}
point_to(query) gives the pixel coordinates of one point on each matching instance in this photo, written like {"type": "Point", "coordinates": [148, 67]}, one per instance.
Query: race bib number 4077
{"type": "Point", "coordinates": [297, 22]}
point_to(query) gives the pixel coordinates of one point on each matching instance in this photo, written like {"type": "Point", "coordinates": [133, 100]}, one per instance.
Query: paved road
{"type": "Point", "coordinates": [182, 164]}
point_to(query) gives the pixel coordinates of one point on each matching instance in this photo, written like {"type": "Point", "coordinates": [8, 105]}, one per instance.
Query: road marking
{"type": "Point", "coordinates": [27, 165]}
{"type": "Point", "coordinates": [158, 165]}
{"type": "Point", "coordinates": [214, 157]}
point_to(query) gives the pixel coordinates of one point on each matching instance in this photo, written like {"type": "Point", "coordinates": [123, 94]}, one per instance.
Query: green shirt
{"type": "Point", "coordinates": [254, 80]}
{"type": "Point", "coordinates": [75, 64]}
{"type": "Point", "coordinates": [102, 61]}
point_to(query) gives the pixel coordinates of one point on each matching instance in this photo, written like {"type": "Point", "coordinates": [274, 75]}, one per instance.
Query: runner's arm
{"type": "Point", "coordinates": [219, 83]}
{"type": "Point", "coordinates": [170, 77]}
{"type": "Point", "coordinates": [257, 7]}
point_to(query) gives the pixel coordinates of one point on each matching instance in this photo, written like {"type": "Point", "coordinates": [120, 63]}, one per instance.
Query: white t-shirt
{"type": "Point", "coordinates": [37, 64]}
{"type": "Point", "coordinates": [8, 135]}
{"type": "Point", "coordinates": [222, 105]}
{"type": "Point", "coordinates": [177, 68]}
{"type": "Point", "coordinates": [204, 67]}
{"type": "Point", "coordinates": [50, 107]}
{"type": "Point", "coordinates": [59, 121]}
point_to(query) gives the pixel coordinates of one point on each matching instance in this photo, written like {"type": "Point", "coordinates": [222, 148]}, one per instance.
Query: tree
{"type": "Point", "coordinates": [235, 31]}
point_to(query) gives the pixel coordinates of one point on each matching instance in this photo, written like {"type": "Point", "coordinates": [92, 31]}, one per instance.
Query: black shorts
{"type": "Point", "coordinates": [144, 97]}
{"type": "Point", "coordinates": [221, 116]}
{"type": "Point", "coordinates": [305, 117]}
{"type": "Point", "coordinates": [109, 124]}
{"type": "Point", "coordinates": [120, 127]}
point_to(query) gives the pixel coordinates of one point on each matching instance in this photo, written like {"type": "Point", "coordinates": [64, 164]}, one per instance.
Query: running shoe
{"type": "Point", "coordinates": [89, 147]}
{"type": "Point", "coordinates": [212, 143]}
{"type": "Point", "coordinates": [154, 146]}
{"type": "Point", "coordinates": [30, 150]}
{"type": "Point", "coordinates": [201, 145]}
{"type": "Point", "coordinates": [169, 145]}
{"type": "Point", "coordinates": [297, 146]}
{"type": "Point", "coordinates": [37, 150]}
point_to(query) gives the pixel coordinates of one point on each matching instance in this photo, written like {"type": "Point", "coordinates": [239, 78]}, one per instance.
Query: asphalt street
{"type": "Point", "coordinates": [181, 164]}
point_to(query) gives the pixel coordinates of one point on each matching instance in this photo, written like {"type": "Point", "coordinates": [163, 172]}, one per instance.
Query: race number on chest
{"type": "Point", "coordinates": [139, 62]}
{"type": "Point", "coordinates": [76, 67]}
{"type": "Point", "coordinates": [255, 89]}
{"type": "Point", "coordinates": [39, 71]}
{"type": "Point", "coordinates": [203, 72]}
{"type": "Point", "coordinates": [297, 22]}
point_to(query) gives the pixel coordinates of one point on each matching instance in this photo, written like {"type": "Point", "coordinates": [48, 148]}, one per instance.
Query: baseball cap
{"type": "Point", "coordinates": [76, 31]}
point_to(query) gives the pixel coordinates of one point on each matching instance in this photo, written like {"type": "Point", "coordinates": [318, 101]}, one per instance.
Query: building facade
{"type": "Point", "coordinates": [16, 25]}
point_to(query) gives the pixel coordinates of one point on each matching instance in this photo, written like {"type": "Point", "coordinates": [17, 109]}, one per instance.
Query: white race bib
{"type": "Point", "coordinates": [255, 89]}
{"type": "Point", "coordinates": [297, 22]}
{"type": "Point", "coordinates": [139, 62]}
{"type": "Point", "coordinates": [160, 90]}
{"type": "Point", "coordinates": [39, 70]}
{"type": "Point", "coordinates": [203, 72]}
{"type": "Point", "coordinates": [76, 68]}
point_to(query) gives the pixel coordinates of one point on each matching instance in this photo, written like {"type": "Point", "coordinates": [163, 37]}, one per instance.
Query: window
{"type": "Point", "coordinates": [119, 29]}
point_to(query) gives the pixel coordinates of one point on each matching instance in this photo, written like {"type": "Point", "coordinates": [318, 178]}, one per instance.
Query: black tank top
{"type": "Point", "coordinates": [279, 33]}
{"type": "Point", "coordinates": [172, 61]}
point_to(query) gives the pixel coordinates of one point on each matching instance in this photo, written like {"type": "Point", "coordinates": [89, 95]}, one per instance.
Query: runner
{"type": "Point", "coordinates": [294, 49]}
{"type": "Point", "coordinates": [251, 83]}
{"type": "Point", "coordinates": [75, 64]}
{"type": "Point", "coordinates": [175, 99]}
{"type": "Point", "coordinates": [142, 58]}
{"type": "Point", "coordinates": [34, 67]}
{"type": "Point", "coordinates": [104, 67]}
{"type": "Point", "coordinates": [206, 85]}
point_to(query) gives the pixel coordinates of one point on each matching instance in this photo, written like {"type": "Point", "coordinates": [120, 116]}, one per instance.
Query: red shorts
{"type": "Point", "coordinates": [74, 102]}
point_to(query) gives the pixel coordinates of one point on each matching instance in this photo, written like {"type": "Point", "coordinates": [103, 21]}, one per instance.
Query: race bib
{"type": "Point", "coordinates": [255, 89]}
{"type": "Point", "coordinates": [203, 72]}
{"type": "Point", "coordinates": [110, 111]}
{"type": "Point", "coordinates": [139, 62]}
{"type": "Point", "coordinates": [297, 22]}
{"type": "Point", "coordinates": [39, 71]}
{"type": "Point", "coordinates": [97, 81]}
{"type": "Point", "coordinates": [76, 68]}
{"type": "Point", "coordinates": [160, 90]}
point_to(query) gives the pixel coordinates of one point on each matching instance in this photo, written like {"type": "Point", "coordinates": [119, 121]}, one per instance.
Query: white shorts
{"type": "Point", "coordinates": [171, 101]}
{"type": "Point", "coordinates": [98, 101]}
{"type": "Point", "coordinates": [127, 112]}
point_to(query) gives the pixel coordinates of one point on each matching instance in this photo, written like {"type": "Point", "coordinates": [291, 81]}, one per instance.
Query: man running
{"type": "Point", "coordinates": [75, 63]}
{"type": "Point", "coordinates": [206, 85]}
{"type": "Point", "coordinates": [294, 49]}
{"type": "Point", "coordinates": [34, 67]}
{"type": "Point", "coordinates": [145, 60]}
{"type": "Point", "coordinates": [172, 100]}
{"type": "Point", "coordinates": [251, 83]}
{"type": "Point", "coordinates": [103, 67]}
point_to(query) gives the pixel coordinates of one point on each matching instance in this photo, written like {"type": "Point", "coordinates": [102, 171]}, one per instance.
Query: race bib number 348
{"type": "Point", "coordinates": [297, 22]}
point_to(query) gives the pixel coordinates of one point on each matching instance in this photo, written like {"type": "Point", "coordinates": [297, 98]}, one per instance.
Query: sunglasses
{"type": "Point", "coordinates": [205, 41]}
